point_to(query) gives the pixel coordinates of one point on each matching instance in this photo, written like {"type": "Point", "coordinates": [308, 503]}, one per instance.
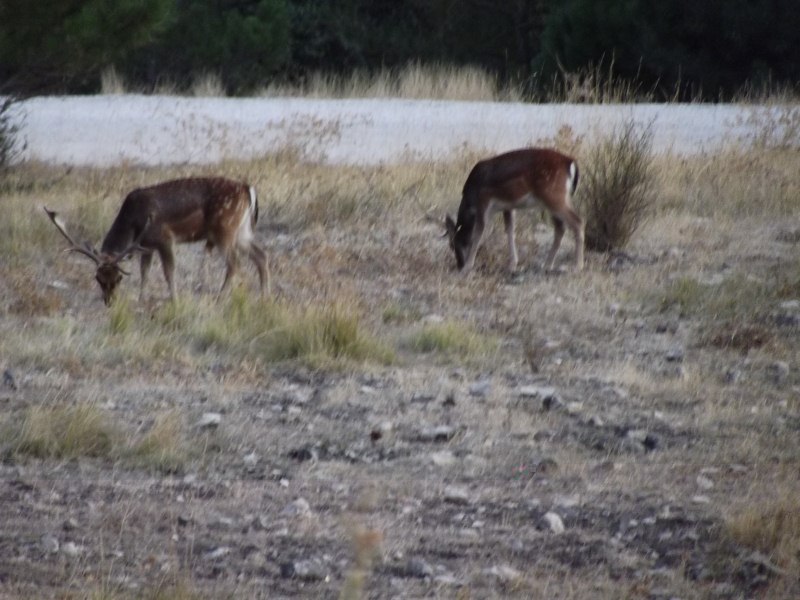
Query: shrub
{"type": "Point", "coordinates": [10, 146]}
{"type": "Point", "coordinates": [64, 432]}
{"type": "Point", "coordinates": [450, 338]}
{"type": "Point", "coordinates": [618, 186]}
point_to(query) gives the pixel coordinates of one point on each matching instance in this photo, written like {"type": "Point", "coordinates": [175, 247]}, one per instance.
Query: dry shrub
{"type": "Point", "coordinates": [451, 338]}
{"type": "Point", "coordinates": [28, 295]}
{"type": "Point", "coordinates": [208, 85]}
{"type": "Point", "coordinates": [596, 85]}
{"type": "Point", "coordinates": [163, 448]}
{"type": "Point", "coordinates": [772, 528]}
{"type": "Point", "coordinates": [64, 432]}
{"type": "Point", "coordinates": [741, 337]}
{"type": "Point", "coordinates": [618, 189]}
{"type": "Point", "coordinates": [415, 80]}
{"type": "Point", "coordinates": [111, 82]}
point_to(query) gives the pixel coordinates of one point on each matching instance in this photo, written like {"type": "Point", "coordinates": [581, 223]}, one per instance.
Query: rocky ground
{"type": "Point", "coordinates": [598, 450]}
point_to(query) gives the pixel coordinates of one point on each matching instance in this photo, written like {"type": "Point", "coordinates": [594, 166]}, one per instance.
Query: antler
{"type": "Point", "coordinates": [86, 249]}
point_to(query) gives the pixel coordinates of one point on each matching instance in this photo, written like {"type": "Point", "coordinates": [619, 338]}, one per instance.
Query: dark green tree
{"type": "Point", "coordinates": [243, 41]}
{"type": "Point", "coordinates": [54, 45]}
{"type": "Point", "coordinates": [712, 47]}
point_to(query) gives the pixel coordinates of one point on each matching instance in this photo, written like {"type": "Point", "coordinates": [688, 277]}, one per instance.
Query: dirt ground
{"type": "Point", "coordinates": [598, 448]}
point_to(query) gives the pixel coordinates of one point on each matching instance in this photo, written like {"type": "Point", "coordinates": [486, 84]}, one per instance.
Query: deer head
{"type": "Point", "coordinates": [109, 273]}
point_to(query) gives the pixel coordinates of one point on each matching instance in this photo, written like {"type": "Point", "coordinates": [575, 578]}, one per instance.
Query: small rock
{"type": "Point", "coordinates": [50, 543]}
{"type": "Point", "coordinates": [536, 391]}
{"type": "Point", "coordinates": [250, 460]}
{"type": "Point", "coordinates": [456, 495]}
{"type": "Point", "coordinates": [438, 433]}
{"type": "Point", "coordinates": [58, 285]}
{"type": "Point", "coordinates": [790, 305]}
{"type": "Point", "coordinates": [70, 524]}
{"type": "Point", "coordinates": [704, 483]}
{"type": "Point", "coordinates": [210, 420]}
{"type": "Point", "coordinates": [574, 408]}
{"type": "Point", "coordinates": [445, 458]}
{"type": "Point", "coordinates": [218, 553]}
{"type": "Point", "coordinates": [701, 499]}
{"type": "Point", "coordinates": [553, 522]}
{"type": "Point", "coordinates": [299, 507]}
{"type": "Point", "coordinates": [779, 371]}
{"type": "Point", "coordinates": [9, 380]}
{"type": "Point", "coordinates": [480, 389]}
{"type": "Point", "coordinates": [70, 549]}
{"type": "Point", "coordinates": [310, 570]}
{"type": "Point", "coordinates": [675, 355]}
{"type": "Point", "coordinates": [504, 573]}
{"type": "Point", "coordinates": [732, 376]}
{"type": "Point", "coordinates": [433, 319]}
{"type": "Point", "coordinates": [418, 567]}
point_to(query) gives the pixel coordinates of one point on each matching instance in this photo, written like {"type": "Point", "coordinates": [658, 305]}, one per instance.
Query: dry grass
{"type": "Point", "coordinates": [414, 81]}
{"type": "Point", "coordinates": [64, 432]}
{"type": "Point", "coordinates": [344, 344]}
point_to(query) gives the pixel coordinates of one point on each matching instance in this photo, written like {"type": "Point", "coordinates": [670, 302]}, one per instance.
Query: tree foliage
{"type": "Point", "coordinates": [711, 47]}
{"type": "Point", "coordinates": [54, 44]}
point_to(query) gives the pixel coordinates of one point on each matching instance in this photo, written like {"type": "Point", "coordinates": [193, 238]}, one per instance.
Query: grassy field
{"type": "Point", "coordinates": [390, 429]}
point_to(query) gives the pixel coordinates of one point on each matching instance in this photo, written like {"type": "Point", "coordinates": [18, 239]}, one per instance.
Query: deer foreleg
{"type": "Point", "coordinates": [145, 260]}
{"type": "Point", "coordinates": [259, 258]}
{"type": "Point", "coordinates": [508, 220]}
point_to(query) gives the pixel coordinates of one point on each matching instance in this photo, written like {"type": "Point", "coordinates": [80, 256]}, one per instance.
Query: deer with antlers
{"type": "Point", "coordinates": [152, 219]}
{"type": "Point", "coordinates": [527, 178]}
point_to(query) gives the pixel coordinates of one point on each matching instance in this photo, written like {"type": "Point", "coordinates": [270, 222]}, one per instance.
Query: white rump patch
{"type": "Point", "coordinates": [571, 178]}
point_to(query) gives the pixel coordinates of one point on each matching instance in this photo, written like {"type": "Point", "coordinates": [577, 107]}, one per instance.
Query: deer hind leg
{"type": "Point", "coordinates": [168, 265]}
{"type": "Point", "coordinates": [259, 258]}
{"type": "Point", "coordinates": [231, 266]}
{"type": "Point", "coordinates": [145, 260]}
{"type": "Point", "coordinates": [576, 224]}
{"type": "Point", "coordinates": [558, 233]}
{"type": "Point", "coordinates": [202, 273]}
{"type": "Point", "coordinates": [508, 220]}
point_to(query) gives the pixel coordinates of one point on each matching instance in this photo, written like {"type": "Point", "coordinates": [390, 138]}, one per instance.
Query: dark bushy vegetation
{"type": "Point", "coordinates": [677, 48]}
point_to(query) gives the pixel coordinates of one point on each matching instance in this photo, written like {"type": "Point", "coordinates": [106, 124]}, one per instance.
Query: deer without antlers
{"type": "Point", "coordinates": [527, 178]}
{"type": "Point", "coordinates": [219, 211]}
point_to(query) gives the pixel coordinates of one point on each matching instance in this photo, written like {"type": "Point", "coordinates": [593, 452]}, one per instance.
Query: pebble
{"type": "Point", "coordinates": [704, 483]}
{"type": "Point", "coordinates": [70, 549]}
{"type": "Point", "coordinates": [554, 522]}
{"type": "Point", "coordinates": [50, 543]}
{"type": "Point", "coordinates": [419, 567]}
{"type": "Point", "coordinates": [456, 495]}
{"type": "Point", "coordinates": [310, 570]}
{"type": "Point", "coordinates": [779, 371]}
{"type": "Point", "coordinates": [438, 433]}
{"type": "Point", "coordinates": [210, 420]}
{"type": "Point", "coordinates": [504, 572]}
{"type": "Point", "coordinates": [299, 507]}
{"type": "Point", "coordinates": [536, 391]}
{"type": "Point", "coordinates": [445, 458]}
{"type": "Point", "coordinates": [217, 553]}
{"type": "Point", "coordinates": [481, 388]}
